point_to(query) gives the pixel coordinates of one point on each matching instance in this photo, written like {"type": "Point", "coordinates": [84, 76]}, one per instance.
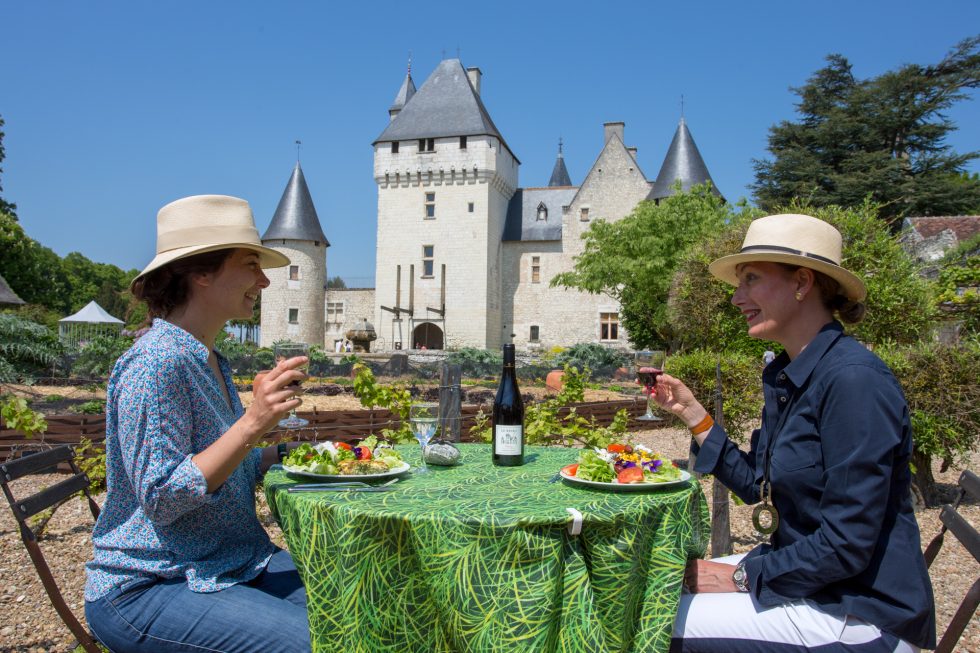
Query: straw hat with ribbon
{"type": "Point", "coordinates": [800, 240]}
{"type": "Point", "coordinates": [205, 223]}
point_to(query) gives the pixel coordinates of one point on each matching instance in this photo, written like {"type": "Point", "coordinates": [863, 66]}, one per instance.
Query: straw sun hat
{"type": "Point", "coordinates": [205, 223]}
{"type": "Point", "coordinates": [797, 240]}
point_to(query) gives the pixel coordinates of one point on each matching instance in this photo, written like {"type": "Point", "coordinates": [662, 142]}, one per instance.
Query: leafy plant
{"type": "Point", "coordinates": [27, 349]}
{"type": "Point", "coordinates": [97, 358]}
{"type": "Point", "coordinates": [91, 460]}
{"type": "Point", "coordinates": [592, 356]}
{"type": "Point", "coordinates": [393, 397]}
{"type": "Point", "coordinates": [18, 415]}
{"type": "Point", "coordinates": [958, 284]}
{"type": "Point", "coordinates": [92, 407]}
{"type": "Point", "coordinates": [476, 362]}
{"type": "Point", "coordinates": [544, 422]}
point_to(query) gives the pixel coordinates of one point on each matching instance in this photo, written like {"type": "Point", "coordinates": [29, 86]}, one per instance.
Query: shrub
{"type": "Point", "coordinates": [600, 359]}
{"type": "Point", "coordinates": [940, 385]}
{"type": "Point", "coordinates": [92, 407]}
{"type": "Point", "coordinates": [477, 362]}
{"type": "Point", "coordinates": [97, 358]}
{"type": "Point", "coordinates": [27, 350]}
{"type": "Point", "coordinates": [741, 383]}
{"type": "Point", "coordinates": [958, 285]}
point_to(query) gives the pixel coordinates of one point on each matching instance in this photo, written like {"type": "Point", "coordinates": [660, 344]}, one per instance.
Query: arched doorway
{"type": "Point", "coordinates": [427, 335]}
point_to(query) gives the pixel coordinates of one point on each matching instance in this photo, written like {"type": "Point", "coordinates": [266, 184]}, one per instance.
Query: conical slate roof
{"type": "Point", "coordinates": [296, 217]}
{"type": "Point", "coordinates": [684, 162]}
{"type": "Point", "coordinates": [7, 295]}
{"type": "Point", "coordinates": [445, 105]}
{"type": "Point", "coordinates": [559, 176]}
{"type": "Point", "coordinates": [405, 93]}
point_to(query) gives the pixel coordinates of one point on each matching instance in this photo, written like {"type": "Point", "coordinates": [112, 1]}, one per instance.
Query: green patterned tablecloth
{"type": "Point", "coordinates": [479, 558]}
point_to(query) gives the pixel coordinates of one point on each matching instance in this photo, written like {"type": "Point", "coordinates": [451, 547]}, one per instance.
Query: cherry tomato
{"type": "Point", "coordinates": [363, 453]}
{"type": "Point", "coordinates": [616, 448]}
{"type": "Point", "coordinates": [570, 470]}
{"type": "Point", "coordinates": [630, 475]}
{"type": "Point", "coordinates": [342, 445]}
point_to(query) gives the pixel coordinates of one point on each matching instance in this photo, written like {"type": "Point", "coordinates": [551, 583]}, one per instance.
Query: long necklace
{"type": "Point", "coordinates": [765, 487]}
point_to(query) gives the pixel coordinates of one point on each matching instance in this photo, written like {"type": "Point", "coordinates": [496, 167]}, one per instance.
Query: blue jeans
{"type": "Point", "coordinates": [267, 615]}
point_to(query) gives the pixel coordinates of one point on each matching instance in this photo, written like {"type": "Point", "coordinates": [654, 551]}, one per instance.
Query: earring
{"type": "Point", "coordinates": [799, 296]}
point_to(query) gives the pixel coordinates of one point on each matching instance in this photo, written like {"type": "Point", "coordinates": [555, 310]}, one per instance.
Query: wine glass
{"type": "Point", "coordinates": [424, 418]}
{"type": "Point", "coordinates": [648, 365]}
{"type": "Point", "coordinates": [283, 351]}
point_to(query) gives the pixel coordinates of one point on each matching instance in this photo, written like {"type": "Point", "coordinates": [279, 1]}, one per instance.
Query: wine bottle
{"type": "Point", "coordinates": [508, 417]}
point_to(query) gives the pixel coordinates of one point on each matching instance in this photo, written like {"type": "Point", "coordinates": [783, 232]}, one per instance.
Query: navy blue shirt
{"type": "Point", "coordinates": [847, 538]}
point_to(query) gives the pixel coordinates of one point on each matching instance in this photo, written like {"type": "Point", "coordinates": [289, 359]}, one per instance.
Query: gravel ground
{"type": "Point", "coordinates": [28, 623]}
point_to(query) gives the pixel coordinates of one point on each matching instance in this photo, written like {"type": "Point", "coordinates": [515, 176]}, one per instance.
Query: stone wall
{"type": "Point", "coordinates": [344, 308]}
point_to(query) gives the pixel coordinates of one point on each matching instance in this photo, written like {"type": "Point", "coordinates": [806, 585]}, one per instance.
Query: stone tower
{"type": "Point", "coordinates": [445, 176]}
{"type": "Point", "coordinates": [293, 304]}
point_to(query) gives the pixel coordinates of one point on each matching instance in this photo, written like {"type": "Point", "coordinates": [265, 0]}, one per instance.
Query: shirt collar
{"type": "Point", "coordinates": [182, 338]}
{"type": "Point", "coordinates": [799, 369]}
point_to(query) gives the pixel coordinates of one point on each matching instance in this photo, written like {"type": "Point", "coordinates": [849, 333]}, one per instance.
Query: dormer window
{"type": "Point", "coordinates": [427, 145]}
{"type": "Point", "coordinates": [462, 142]}
{"type": "Point", "coordinates": [542, 211]}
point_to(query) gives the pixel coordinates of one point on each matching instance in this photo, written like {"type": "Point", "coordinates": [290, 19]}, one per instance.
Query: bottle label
{"type": "Point", "coordinates": [507, 440]}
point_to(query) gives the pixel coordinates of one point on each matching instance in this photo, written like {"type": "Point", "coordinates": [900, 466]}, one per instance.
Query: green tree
{"type": "Point", "coordinates": [883, 138]}
{"type": "Point", "coordinates": [336, 282]}
{"type": "Point", "coordinates": [900, 305]}
{"type": "Point", "coordinates": [33, 271]}
{"type": "Point", "coordinates": [634, 259]}
{"type": "Point", "coordinates": [5, 206]}
{"type": "Point", "coordinates": [103, 282]}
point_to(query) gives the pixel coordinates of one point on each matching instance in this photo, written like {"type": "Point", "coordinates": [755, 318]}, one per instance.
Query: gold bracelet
{"type": "Point", "coordinates": [704, 425]}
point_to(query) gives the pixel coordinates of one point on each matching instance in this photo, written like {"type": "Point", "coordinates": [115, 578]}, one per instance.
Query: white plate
{"type": "Point", "coordinates": [394, 471]}
{"type": "Point", "coordinates": [626, 487]}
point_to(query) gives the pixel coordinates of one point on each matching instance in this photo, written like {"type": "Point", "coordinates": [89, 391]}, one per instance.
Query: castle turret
{"type": "Point", "coordinates": [293, 304]}
{"type": "Point", "coordinates": [683, 162]}
{"type": "Point", "coordinates": [559, 175]}
{"type": "Point", "coordinates": [404, 94]}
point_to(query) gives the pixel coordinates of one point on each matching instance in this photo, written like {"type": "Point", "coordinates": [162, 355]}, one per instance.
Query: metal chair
{"type": "Point", "coordinates": [967, 535]}
{"type": "Point", "coordinates": [26, 507]}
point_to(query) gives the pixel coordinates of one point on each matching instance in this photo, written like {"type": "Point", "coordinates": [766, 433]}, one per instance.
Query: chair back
{"type": "Point", "coordinates": [26, 507]}
{"type": "Point", "coordinates": [968, 536]}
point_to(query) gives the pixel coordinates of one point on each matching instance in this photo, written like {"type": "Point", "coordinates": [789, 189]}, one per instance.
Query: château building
{"type": "Point", "coordinates": [464, 254]}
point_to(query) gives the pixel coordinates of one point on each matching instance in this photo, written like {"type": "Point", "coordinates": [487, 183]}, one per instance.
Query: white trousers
{"type": "Point", "coordinates": [731, 621]}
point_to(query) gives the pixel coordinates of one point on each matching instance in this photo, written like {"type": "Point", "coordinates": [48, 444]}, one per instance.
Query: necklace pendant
{"type": "Point", "coordinates": [772, 518]}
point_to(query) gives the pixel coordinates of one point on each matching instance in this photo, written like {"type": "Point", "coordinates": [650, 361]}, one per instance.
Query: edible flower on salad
{"type": "Point", "coordinates": [326, 457]}
{"type": "Point", "coordinates": [623, 463]}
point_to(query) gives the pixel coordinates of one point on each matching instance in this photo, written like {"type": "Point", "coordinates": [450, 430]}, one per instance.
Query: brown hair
{"type": "Point", "coordinates": [166, 288]}
{"type": "Point", "coordinates": [849, 311]}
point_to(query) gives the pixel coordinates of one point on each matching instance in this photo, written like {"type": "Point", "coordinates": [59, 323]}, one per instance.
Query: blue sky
{"type": "Point", "coordinates": [113, 109]}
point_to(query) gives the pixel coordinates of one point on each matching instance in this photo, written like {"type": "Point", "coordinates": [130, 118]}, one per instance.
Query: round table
{"type": "Point", "coordinates": [482, 558]}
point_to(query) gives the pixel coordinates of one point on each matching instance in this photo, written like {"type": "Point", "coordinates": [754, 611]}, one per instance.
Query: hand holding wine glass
{"type": "Point", "coordinates": [283, 351]}
{"type": "Point", "coordinates": [424, 418]}
{"type": "Point", "coordinates": [649, 365]}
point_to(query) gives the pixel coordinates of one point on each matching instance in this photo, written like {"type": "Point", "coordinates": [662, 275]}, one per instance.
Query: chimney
{"type": "Point", "coordinates": [475, 76]}
{"type": "Point", "coordinates": [610, 128]}
{"type": "Point", "coordinates": [632, 151]}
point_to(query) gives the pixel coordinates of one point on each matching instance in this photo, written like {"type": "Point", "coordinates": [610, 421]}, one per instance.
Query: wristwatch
{"type": "Point", "coordinates": [281, 450]}
{"type": "Point", "coordinates": [740, 578]}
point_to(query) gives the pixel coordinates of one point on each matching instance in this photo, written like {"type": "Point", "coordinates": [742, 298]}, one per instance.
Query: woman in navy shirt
{"type": "Point", "coordinates": [828, 470]}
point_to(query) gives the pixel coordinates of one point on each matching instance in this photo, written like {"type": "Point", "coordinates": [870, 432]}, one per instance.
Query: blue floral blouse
{"type": "Point", "coordinates": [163, 406]}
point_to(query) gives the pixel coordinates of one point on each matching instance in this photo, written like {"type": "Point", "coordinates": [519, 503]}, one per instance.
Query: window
{"type": "Point", "coordinates": [335, 312]}
{"type": "Point", "coordinates": [542, 211]}
{"type": "Point", "coordinates": [584, 213]}
{"type": "Point", "coordinates": [428, 263]}
{"type": "Point", "coordinates": [430, 206]}
{"type": "Point", "coordinates": [608, 326]}
{"type": "Point", "coordinates": [534, 334]}
{"type": "Point", "coordinates": [427, 145]}
{"type": "Point", "coordinates": [394, 147]}
{"type": "Point", "coordinates": [470, 207]}
{"type": "Point", "coordinates": [294, 273]}
{"type": "Point", "coordinates": [535, 269]}
{"type": "Point", "coordinates": [462, 142]}
{"type": "Point", "coordinates": [294, 316]}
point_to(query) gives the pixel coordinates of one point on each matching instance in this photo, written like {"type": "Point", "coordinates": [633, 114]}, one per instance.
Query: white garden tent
{"type": "Point", "coordinates": [90, 322]}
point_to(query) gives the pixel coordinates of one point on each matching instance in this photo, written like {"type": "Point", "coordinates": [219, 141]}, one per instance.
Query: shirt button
{"type": "Point", "coordinates": [781, 377]}
{"type": "Point", "coordinates": [782, 399]}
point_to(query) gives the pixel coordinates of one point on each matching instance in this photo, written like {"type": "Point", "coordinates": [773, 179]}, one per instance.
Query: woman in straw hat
{"type": "Point", "coordinates": [181, 561]}
{"type": "Point", "coordinates": [828, 470]}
